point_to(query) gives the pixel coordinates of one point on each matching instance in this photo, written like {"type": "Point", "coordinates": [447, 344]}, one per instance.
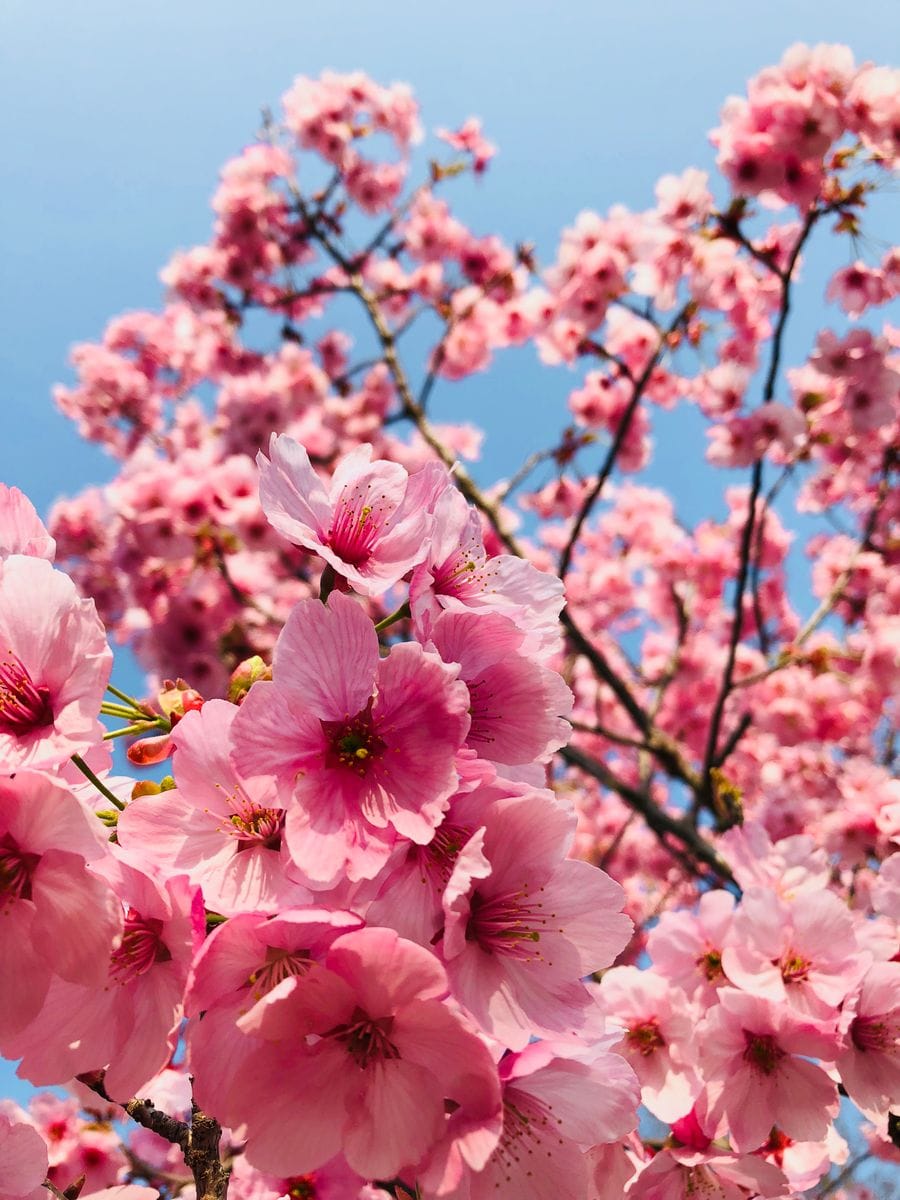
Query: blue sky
{"type": "Point", "coordinates": [115, 119]}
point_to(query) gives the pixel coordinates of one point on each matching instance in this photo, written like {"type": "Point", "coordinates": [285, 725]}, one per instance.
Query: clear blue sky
{"type": "Point", "coordinates": [115, 118]}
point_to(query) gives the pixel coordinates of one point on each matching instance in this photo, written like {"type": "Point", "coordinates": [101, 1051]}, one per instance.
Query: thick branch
{"type": "Point", "coordinates": [662, 823]}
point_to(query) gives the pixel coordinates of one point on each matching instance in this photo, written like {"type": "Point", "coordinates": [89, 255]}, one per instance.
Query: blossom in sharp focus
{"type": "Point", "coordinates": [369, 524]}
{"type": "Point", "coordinates": [362, 748]}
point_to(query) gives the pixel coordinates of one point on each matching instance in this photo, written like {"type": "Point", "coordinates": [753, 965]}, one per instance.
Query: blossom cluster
{"type": "Point", "coordinates": [494, 813]}
{"type": "Point", "coordinates": [367, 833]}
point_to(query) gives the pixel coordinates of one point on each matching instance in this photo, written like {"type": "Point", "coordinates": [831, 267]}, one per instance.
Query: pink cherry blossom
{"type": "Point", "coordinates": [54, 665]}
{"type": "Point", "coordinates": [24, 1158]}
{"type": "Point", "coordinates": [458, 575]}
{"type": "Point", "coordinates": [523, 928]}
{"type": "Point", "coordinates": [555, 1106]}
{"type": "Point", "coordinates": [657, 1040]}
{"type": "Point", "coordinates": [223, 830]}
{"type": "Point", "coordinates": [804, 951]}
{"type": "Point", "coordinates": [128, 1023]}
{"type": "Point", "coordinates": [518, 707]}
{"type": "Point", "coordinates": [754, 1054]}
{"type": "Point", "coordinates": [679, 1175]}
{"type": "Point", "coordinates": [385, 1055]}
{"type": "Point", "coordinates": [869, 1064]}
{"type": "Point", "coordinates": [372, 741]}
{"type": "Point", "coordinates": [46, 889]}
{"type": "Point", "coordinates": [370, 526]}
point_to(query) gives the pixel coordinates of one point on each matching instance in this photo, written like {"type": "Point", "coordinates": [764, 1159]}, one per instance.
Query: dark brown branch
{"type": "Point", "coordinates": [663, 824]}
{"type": "Point", "coordinates": [638, 386]}
{"type": "Point", "coordinates": [746, 542]}
{"type": "Point", "coordinates": [198, 1141]}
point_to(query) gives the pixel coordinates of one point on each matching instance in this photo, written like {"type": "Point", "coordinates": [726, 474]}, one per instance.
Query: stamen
{"type": "Point", "coordinates": [16, 870]}
{"type": "Point", "coordinates": [141, 947]}
{"type": "Point", "coordinates": [762, 1052]}
{"type": "Point", "coordinates": [353, 743]}
{"type": "Point", "coordinates": [510, 925]}
{"type": "Point", "coordinates": [24, 704]}
{"type": "Point", "coordinates": [366, 1040]}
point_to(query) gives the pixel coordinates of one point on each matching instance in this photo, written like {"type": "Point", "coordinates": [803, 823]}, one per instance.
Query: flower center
{"type": "Point", "coordinates": [365, 1039]}
{"type": "Point", "coordinates": [794, 968]}
{"type": "Point", "coordinates": [353, 743]}
{"type": "Point", "coordinates": [462, 574]}
{"type": "Point", "coordinates": [252, 824]}
{"type": "Point", "coordinates": [259, 825]}
{"type": "Point", "coordinates": [437, 860]}
{"type": "Point", "coordinates": [762, 1052]}
{"type": "Point", "coordinates": [16, 870]}
{"type": "Point", "coordinates": [302, 1188]}
{"type": "Point", "coordinates": [141, 947]}
{"type": "Point", "coordinates": [355, 528]}
{"type": "Point", "coordinates": [710, 964]}
{"type": "Point", "coordinates": [645, 1037]}
{"type": "Point", "coordinates": [874, 1033]}
{"type": "Point", "coordinates": [278, 966]}
{"type": "Point", "coordinates": [510, 925]}
{"type": "Point", "coordinates": [24, 704]}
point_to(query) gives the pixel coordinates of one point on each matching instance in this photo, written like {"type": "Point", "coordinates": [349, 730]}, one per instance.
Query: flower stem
{"type": "Point", "coordinates": [98, 784]}
{"type": "Point", "coordinates": [140, 727]}
{"type": "Point", "coordinates": [130, 700]}
{"type": "Point", "coordinates": [327, 582]}
{"type": "Point", "coordinates": [401, 613]}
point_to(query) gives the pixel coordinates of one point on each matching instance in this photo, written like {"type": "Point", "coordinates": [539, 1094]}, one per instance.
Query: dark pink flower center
{"type": "Point", "coordinates": [875, 1033]}
{"type": "Point", "coordinates": [510, 924]}
{"type": "Point", "coordinates": [794, 967]}
{"type": "Point", "coordinates": [353, 743]}
{"type": "Point", "coordinates": [24, 704]}
{"type": "Point", "coordinates": [366, 1040]}
{"type": "Point", "coordinates": [301, 1188]}
{"type": "Point", "coordinates": [16, 870]}
{"type": "Point", "coordinates": [141, 947]}
{"type": "Point", "coordinates": [463, 574]}
{"type": "Point", "coordinates": [437, 860]}
{"type": "Point", "coordinates": [259, 825]}
{"type": "Point", "coordinates": [645, 1037]}
{"type": "Point", "coordinates": [355, 528]}
{"type": "Point", "coordinates": [762, 1052]}
{"type": "Point", "coordinates": [279, 965]}
{"type": "Point", "coordinates": [252, 824]}
{"type": "Point", "coordinates": [710, 964]}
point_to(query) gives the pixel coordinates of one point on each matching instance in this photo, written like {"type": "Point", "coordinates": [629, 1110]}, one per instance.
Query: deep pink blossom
{"type": "Point", "coordinates": [556, 1105]}
{"type": "Point", "coordinates": [518, 707]}
{"type": "Point", "coordinates": [57, 920]}
{"type": "Point", "coordinates": [458, 575]}
{"type": "Point", "coordinates": [362, 748]}
{"type": "Point", "coordinates": [54, 666]}
{"type": "Point", "coordinates": [869, 1063]}
{"type": "Point", "coordinates": [223, 830]}
{"type": "Point", "coordinates": [368, 1035]}
{"type": "Point", "coordinates": [754, 1056]}
{"type": "Point", "coordinates": [129, 1022]}
{"type": "Point", "coordinates": [523, 927]}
